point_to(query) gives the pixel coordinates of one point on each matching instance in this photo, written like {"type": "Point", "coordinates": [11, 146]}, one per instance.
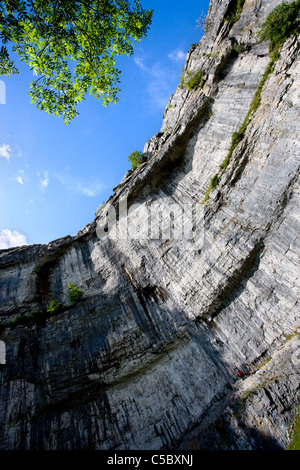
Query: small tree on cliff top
{"type": "Point", "coordinates": [135, 158]}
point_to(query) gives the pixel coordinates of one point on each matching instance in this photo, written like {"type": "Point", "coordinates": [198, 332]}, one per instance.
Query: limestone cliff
{"type": "Point", "coordinates": [148, 358]}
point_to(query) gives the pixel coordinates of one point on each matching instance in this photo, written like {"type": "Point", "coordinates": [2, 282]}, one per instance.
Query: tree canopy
{"type": "Point", "coordinates": [71, 47]}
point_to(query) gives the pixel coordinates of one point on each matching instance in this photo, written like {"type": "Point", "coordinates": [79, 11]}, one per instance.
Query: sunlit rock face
{"type": "Point", "coordinates": [178, 295]}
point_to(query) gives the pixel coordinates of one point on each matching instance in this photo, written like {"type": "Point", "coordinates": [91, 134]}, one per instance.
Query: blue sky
{"type": "Point", "coordinates": [52, 176]}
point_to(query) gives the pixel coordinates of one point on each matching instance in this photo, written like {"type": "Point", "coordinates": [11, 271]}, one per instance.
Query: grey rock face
{"type": "Point", "coordinates": [149, 357]}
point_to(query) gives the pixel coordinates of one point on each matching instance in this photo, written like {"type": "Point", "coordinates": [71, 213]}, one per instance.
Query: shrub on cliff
{"type": "Point", "coordinates": [75, 294]}
{"type": "Point", "coordinates": [281, 23]}
{"type": "Point", "coordinates": [195, 81]}
{"type": "Point", "coordinates": [136, 158]}
{"type": "Point", "coordinates": [190, 80]}
{"type": "Point", "coordinates": [234, 11]}
{"type": "Point", "coordinates": [36, 315]}
{"type": "Point", "coordinates": [53, 307]}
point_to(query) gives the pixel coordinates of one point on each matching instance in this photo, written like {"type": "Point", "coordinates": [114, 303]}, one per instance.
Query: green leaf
{"type": "Point", "coordinates": [51, 36]}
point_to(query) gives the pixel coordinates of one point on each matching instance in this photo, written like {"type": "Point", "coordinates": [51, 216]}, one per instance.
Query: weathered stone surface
{"type": "Point", "coordinates": [148, 358]}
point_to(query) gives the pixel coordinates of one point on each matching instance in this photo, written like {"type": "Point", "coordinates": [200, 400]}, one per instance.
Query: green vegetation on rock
{"type": "Point", "coordinates": [234, 12]}
{"type": "Point", "coordinates": [35, 316]}
{"type": "Point", "coordinates": [295, 432]}
{"type": "Point", "coordinates": [74, 294]}
{"type": "Point", "coordinates": [54, 306]}
{"type": "Point", "coordinates": [281, 23]}
{"type": "Point", "coordinates": [190, 80]}
{"type": "Point", "coordinates": [212, 185]}
{"type": "Point", "coordinates": [136, 158]}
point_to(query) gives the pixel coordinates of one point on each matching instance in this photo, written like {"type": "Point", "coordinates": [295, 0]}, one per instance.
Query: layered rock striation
{"type": "Point", "coordinates": [189, 274]}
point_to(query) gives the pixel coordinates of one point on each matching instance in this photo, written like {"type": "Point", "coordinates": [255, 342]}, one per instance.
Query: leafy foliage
{"type": "Point", "coordinates": [40, 315]}
{"type": "Point", "coordinates": [195, 81]}
{"type": "Point", "coordinates": [191, 81]}
{"type": "Point", "coordinates": [295, 434]}
{"type": "Point", "coordinates": [212, 185]}
{"type": "Point", "coordinates": [36, 315]}
{"type": "Point", "coordinates": [136, 158]}
{"type": "Point", "coordinates": [281, 23]}
{"type": "Point", "coordinates": [53, 307]}
{"type": "Point", "coordinates": [71, 46]}
{"type": "Point", "coordinates": [75, 294]}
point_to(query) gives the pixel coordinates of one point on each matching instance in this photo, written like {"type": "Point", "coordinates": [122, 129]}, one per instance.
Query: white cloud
{"type": "Point", "coordinates": [44, 179]}
{"type": "Point", "coordinates": [19, 179]}
{"type": "Point", "coordinates": [161, 78]}
{"type": "Point", "coordinates": [158, 82]}
{"type": "Point", "coordinates": [90, 190]}
{"type": "Point", "coordinates": [140, 63]}
{"type": "Point", "coordinates": [11, 239]}
{"type": "Point", "coordinates": [5, 151]}
{"type": "Point", "coordinates": [76, 186]}
{"type": "Point", "coordinates": [178, 55]}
